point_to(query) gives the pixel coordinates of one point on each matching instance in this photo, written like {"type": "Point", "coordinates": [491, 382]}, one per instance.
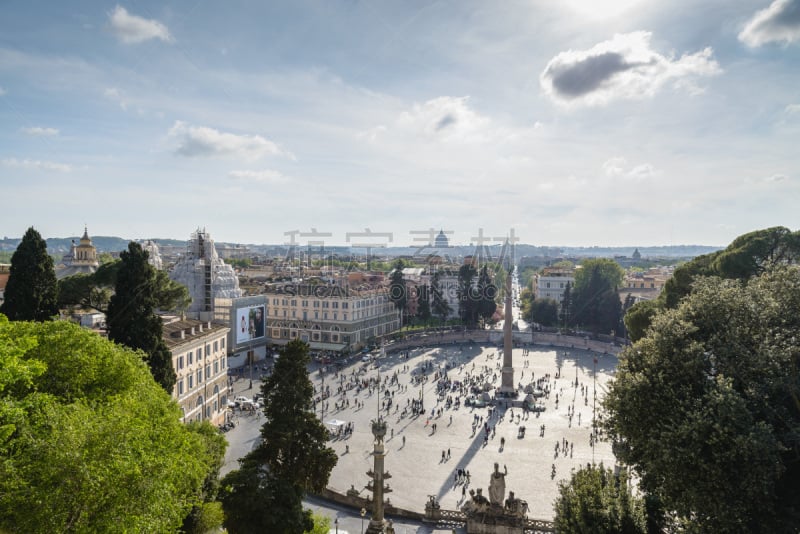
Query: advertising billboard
{"type": "Point", "coordinates": [250, 322]}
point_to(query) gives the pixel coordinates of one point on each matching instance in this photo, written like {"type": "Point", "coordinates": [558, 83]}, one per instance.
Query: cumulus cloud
{"type": "Point", "coordinates": [38, 131]}
{"type": "Point", "coordinates": [131, 29]}
{"type": "Point", "coordinates": [443, 116]}
{"type": "Point", "coordinates": [624, 67]}
{"type": "Point", "coordinates": [619, 167]}
{"type": "Point", "coordinates": [791, 109]}
{"type": "Point", "coordinates": [780, 22]}
{"type": "Point", "coordinates": [204, 141]}
{"type": "Point", "coordinates": [36, 165]}
{"type": "Point", "coordinates": [263, 176]}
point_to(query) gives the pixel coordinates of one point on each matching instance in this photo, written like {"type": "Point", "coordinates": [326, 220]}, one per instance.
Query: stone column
{"type": "Point", "coordinates": [507, 386]}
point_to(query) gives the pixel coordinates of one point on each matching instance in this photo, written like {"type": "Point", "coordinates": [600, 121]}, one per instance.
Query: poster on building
{"type": "Point", "coordinates": [250, 323]}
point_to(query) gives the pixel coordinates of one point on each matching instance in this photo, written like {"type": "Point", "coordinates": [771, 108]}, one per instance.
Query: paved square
{"type": "Point", "coordinates": [415, 451]}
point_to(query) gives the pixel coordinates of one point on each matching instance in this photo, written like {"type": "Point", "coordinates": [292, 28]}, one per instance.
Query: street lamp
{"type": "Point", "coordinates": [363, 513]}
{"type": "Point", "coordinates": [336, 522]}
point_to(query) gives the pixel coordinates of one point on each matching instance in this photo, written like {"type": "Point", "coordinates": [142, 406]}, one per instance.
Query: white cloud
{"type": "Point", "coordinates": [204, 141]}
{"type": "Point", "coordinates": [623, 67]}
{"type": "Point", "coordinates": [3, 92]}
{"type": "Point", "coordinates": [618, 167]}
{"type": "Point", "coordinates": [38, 131]}
{"type": "Point", "coordinates": [444, 116]}
{"type": "Point", "coordinates": [263, 176]}
{"type": "Point", "coordinates": [780, 22]}
{"type": "Point", "coordinates": [112, 93]}
{"type": "Point", "coordinates": [791, 109]}
{"type": "Point", "coordinates": [132, 29]}
{"type": "Point", "coordinates": [36, 164]}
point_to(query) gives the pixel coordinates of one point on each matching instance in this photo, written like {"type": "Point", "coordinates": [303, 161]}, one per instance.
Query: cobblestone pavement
{"type": "Point", "coordinates": [414, 456]}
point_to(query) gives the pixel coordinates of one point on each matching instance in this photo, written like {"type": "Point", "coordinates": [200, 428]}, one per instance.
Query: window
{"type": "Point", "coordinates": [208, 371]}
{"type": "Point", "coordinates": [335, 304]}
{"type": "Point", "coordinates": [305, 316]}
{"type": "Point", "coordinates": [345, 316]}
{"type": "Point", "coordinates": [285, 302]}
{"type": "Point", "coordinates": [325, 304]}
{"type": "Point", "coordinates": [344, 305]}
{"type": "Point", "coordinates": [216, 367]}
{"type": "Point", "coordinates": [294, 314]}
{"type": "Point", "coordinates": [294, 302]}
{"type": "Point", "coordinates": [189, 358]}
{"type": "Point", "coordinates": [274, 302]}
{"type": "Point", "coordinates": [199, 376]}
{"type": "Point", "coordinates": [180, 362]}
{"type": "Point", "coordinates": [191, 381]}
{"type": "Point", "coordinates": [180, 387]}
{"type": "Point", "coordinates": [335, 316]}
{"type": "Point", "coordinates": [222, 343]}
{"type": "Point", "coordinates": [316, 304]}
{"type": "Point", "coordinates": [222, 363]}
{"type": "Point", "coordinates": [548, 285]}
{"type": "Point", "coordinates": [316, 315]}
{"type": "Point", "coordinates": [208, 350]}
{"type": "Point", "coordinates": [325, 316]}
{"type": "Point", "coordinates": [305, 304]}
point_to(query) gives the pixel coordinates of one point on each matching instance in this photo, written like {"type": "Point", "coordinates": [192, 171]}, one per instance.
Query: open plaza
{"type": "Point", "coordinates": [426, 451]}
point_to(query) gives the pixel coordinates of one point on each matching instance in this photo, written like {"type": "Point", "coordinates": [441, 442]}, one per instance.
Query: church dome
{"type": "Point", "coordinates": [441, 240]}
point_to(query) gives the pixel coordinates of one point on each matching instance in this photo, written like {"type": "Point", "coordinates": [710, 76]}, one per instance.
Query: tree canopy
{"type": "Point", "coordinates": [594, 299]}
{"type": "Point", "coordinates": [265, 494]}
{"type": "Point", "coordinates": [31, 293]}
{"type": "Point", "coordinates": [749, 255]}
{"type": "Point", "coordinates": [706, 406]}
{"type": "Point", "coordinates": [544, 312]}
{"type": "Point", "coordinates": [594, 501]}
{"type": "Point", "coordinates": [94, 291]}
{"type": "Point", "coordinates": [398, 292]}
{"type": "Point", "coordinates": [131, 319]}
{"type": "Point", "coordinates": [89, 442]}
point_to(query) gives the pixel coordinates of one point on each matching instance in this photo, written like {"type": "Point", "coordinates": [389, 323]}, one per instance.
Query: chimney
{"type": "Point", "coordinates": [201, 326]}
{"type": "Point", "coordinates": [192, 330]}
{"type": "Point", "coordinates": [183, 333]}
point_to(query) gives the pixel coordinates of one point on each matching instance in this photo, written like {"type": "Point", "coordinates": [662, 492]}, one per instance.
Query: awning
{"type": "Point", "coordinates": [336, 423]}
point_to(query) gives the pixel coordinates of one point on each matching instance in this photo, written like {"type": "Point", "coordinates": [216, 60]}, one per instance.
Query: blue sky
{"type": "Point", "coordinates": [598, 122]}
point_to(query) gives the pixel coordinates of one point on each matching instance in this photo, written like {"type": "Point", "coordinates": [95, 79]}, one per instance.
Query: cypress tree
{"type": "Point", "coordinates": [32, 290]}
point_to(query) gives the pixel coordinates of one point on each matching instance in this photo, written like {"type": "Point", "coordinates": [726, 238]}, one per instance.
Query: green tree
{"type": "Point", "coordinates": [398, 292]}
{"type": "Point", "coordinates": [706, 406]}
{"type": "Point", "coordinates": [487, 293]}
{"type": "Point", "coordinates": [440, 306]}
{"type": "Point", "coordinates": [131, 319]}
{"type": "Point", "coordinates": [265, 494]}
{"type": "Point", "coordinates": [424, 303]}
{"type": "Point", "coordinates": [544, 312]}
{"type": "Point", "coordinates": [94, 291]}
{"type": "Point", "coordinates": [468, 298]}
{"type": "Point", "coordinates": [639, 317]}
{"type": "Point", "coordinates": [89, 442]}
{"type": "Point", "coordinates": [566, 306]}
{"type": "Point", "coordinates": [595, 303]}
{"type": "Point", "coordinates": [322, 524]}
{"type": "Point", "coordinates": [594, 501]}
{"type": "Point", "coordinates": [31, 292]}
{"type": "Point", "coordinates": [208, 514]}
{"type": "Point", "coordinates": [749, 255]}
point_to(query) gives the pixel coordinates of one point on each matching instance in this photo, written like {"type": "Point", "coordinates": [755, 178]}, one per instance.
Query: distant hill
{"type": "Point", "coordinates": [61, 245]}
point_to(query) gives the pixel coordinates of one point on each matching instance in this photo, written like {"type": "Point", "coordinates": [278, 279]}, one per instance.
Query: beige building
{"type": "Point", "coordinates": [329, 317]}
{"type": "Point", "coordinates": [552, 282]}
{"type": "Point", "coordinates": [199, 356]}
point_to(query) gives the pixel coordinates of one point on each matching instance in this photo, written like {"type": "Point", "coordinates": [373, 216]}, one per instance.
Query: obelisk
{"type": "Point", "coordinates": [507, 388]}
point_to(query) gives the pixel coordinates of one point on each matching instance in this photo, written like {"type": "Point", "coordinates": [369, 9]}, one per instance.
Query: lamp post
{"type": "Point", "coordinates": [336, 522]}
{"type": "Point", "coordinates": [363, 513]}
{"type": "Point", "coordinates": [251, 355]}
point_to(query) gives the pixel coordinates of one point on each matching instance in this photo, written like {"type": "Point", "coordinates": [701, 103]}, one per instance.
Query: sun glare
{"type": "Point", "coordinates": [600, 9]}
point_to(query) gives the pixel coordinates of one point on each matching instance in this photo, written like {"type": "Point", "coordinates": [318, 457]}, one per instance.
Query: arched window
{"type": "Point", "coordinates": [200, 400]}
